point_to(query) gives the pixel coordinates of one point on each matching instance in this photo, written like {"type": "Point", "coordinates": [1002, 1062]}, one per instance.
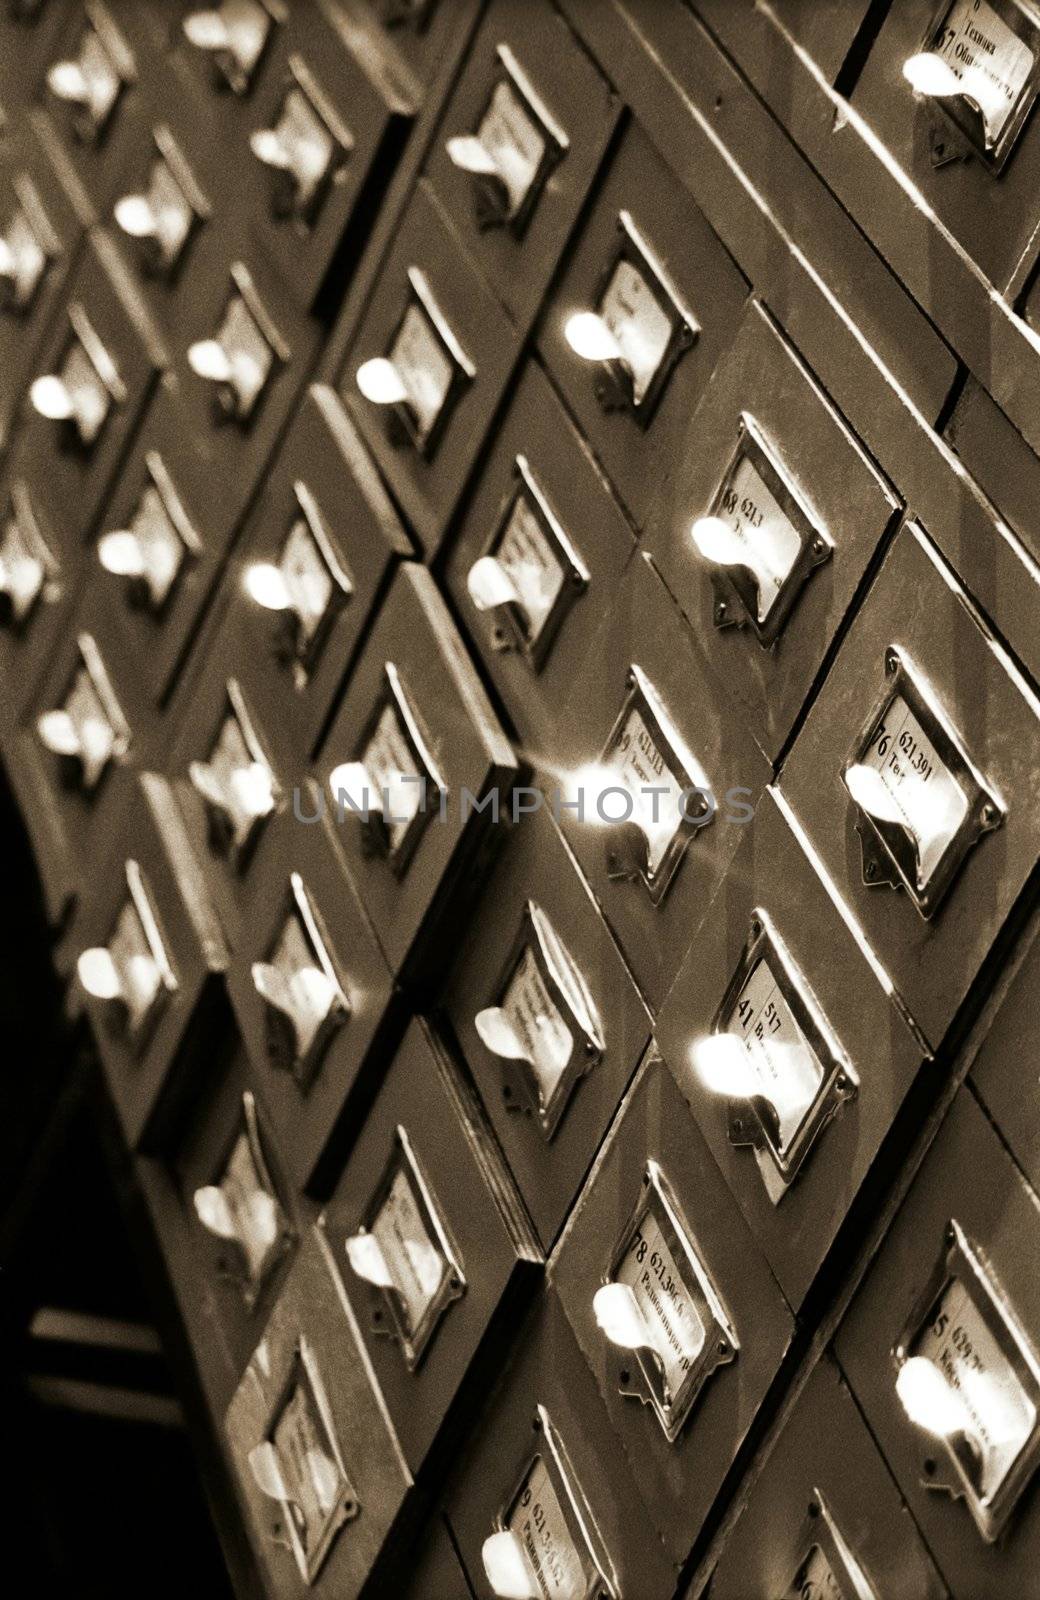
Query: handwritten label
{"type": "Point", "coordinates": [313, 1478]}
{"type": "Point", "coordinates": [959, 1343]}
{"type": "Point", "coordinates": [992, 64]}
{"type": "Point", "coordinates": [538, 1022]}
{"type": "Point", "coordinates": [387, 758]}
{"type": "Point", "coordinates": [783, 1061]}
{"type": "Point", "coordinates": [771, 541]}
{"type": "Point", "coordinates": [528, 557]}
{"type": "Point", "coordinates": [929, 799]}
{"type": "Point", "coordinates": [642, 328]}
{"type": "Point", "coordinates": [538, 1520]}
{"type": "Point", "coordinates": [639, 765]}
{"type": "Point", "coordinates": [514, 141]}
{"type": "Point", "coordinates": [415, 1262]}
{"type": "Point", "coordinates": [423, 366]}
{"type": "Point", "coordinates": [656, 1280]}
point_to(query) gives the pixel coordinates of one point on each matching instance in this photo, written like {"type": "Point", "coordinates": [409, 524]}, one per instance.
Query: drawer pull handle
{"type": "Point", "coordinates": [67, 81]}
{"type": "Point", "coordinates": [928, 74]}
{"type": "Point", "coordinates": [619, 1316]}
{"type": "Point", "coordinates": [381, 383]}
{"type": "Point", "coordinates": [302, 1004]}
{"type": "Point", "coordinates": [506, 1567]}
{"type": "Point", "coordinates": [930, 1402]}
{"type": "Point", "coordinates": [590, 338]}
{"type": "Point", "coordinates": [218, 1217]}
{"type": "Point", "coordinates": [490, 585]}
{"type": "Point", "coordinates": [367, 1260]}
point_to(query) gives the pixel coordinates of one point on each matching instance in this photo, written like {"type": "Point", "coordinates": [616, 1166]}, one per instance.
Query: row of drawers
{"type": "Point", "coordinates": [818, 890]}
{"type": "Point", "coordinates": [182, 124]}
{"type": "Point", "coordinates": [947, 91]}
{"type": "Point", "coordinates": [661, 1330]}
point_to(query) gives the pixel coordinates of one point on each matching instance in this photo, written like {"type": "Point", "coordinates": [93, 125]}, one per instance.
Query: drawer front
{"type": "Point", "coordinates": [161, 540]}
{"type": "Point", "coordinates": [226, 1214]}
{"type": "Point", "coordinates": [245, 363]}
{"type": "Point", "coordinates": [233, 774]}
{"type": "Point", "coordinates": [413, 750]}
{"type": "Point", "coordinates": [229, 49]}
{"type": "Point", "coordinates": [313, 998]}
{"type": "Point", "coordinates": [999, 460]}
{"type": "Point", "coordinates": [425, 35]}
{"type": "Point", "coordinates": [953, 1291]}
{"type": "Point", "coordinates": [674, 1307]}
{"type": "Point", "coordinates": [974, 155]}
{"type": "Point", "coordinates": [81, 727]}
{"type": "Point", "coordinates": [1004, 1089]}
{"type": "Point", "coordinates": [537, 558]}
{"type": "Point", "coordinates": [825, 1515]}
{"type": "Point", "coordinates": [29, 31]}
{"type": "Point", "coordinates": [326, 126]}
{"type": "Point", "coordinates": [914, 768]}
{"type": "Point", "coordinates": [428, 368]}
{"type": "Point", "coordinates": [316, 555]}
{"type": "Point", "coordinates": [434, 1260]}
{"type": "Point", "coordinates": [435, 1568]}
{"type": "Point", "coordinates": [92, 88]}
{"type": "Point", "coordinates": [309, 1390]}
{"type": "Point", "coordinates": [768, 524]}
{"type": "Point", "coordinates": [788, 1049]}
{"type": "Point", "coordinates": [37, 593]}
{"type": "Point", "coordinates": [824, 29]}
{"type": "Point", "coordinates": [518, 147]}
{"type": "Point", "coordinates": [149, 959]}
{"type": "Point", "coordinates": [94, 377]}
{"type": "Point", "coordinates": [40, 229]}
{"type": "Point", "coordinates": [651, 794]}
{"type": "Point", "coordinates": [646, 304]}
{"type": "Point", "coordinates": [543, 1468]}
{"type": "Point", "coordinates": [173, 212]}
{"type": "Point", "coordinates": [548, 1018]}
